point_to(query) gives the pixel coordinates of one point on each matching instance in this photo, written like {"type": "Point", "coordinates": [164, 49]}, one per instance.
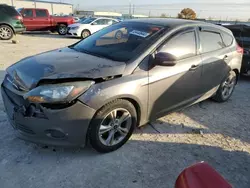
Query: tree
{"type": "Point", "coordinates": [163, 15]}
{"type": "Point", "coordinates": [187, 13]}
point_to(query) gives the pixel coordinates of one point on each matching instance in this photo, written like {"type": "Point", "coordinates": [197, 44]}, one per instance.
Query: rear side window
{"type": "Point", "coordinates": [9, 10]}
{"type": "Point", "coordinates": [210, 41]}
{"type": "Point", "coordinates": [41, 13]}
{"type": "Point", "coordinates": [27, 13]}
{"type": "Point", "coordinates": [228, 39]}
{"type": "Point", "coordinates": [181, 46]}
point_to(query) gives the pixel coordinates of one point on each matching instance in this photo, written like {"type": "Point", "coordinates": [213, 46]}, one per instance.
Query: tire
{"type": "Point", "coordinates": [6, 32]}
{"type": "Point", "coordinates": [229, 85]}
{"type": "Point", "coordinates": [62, 29]}
{"type": "Point", "coordinates": [85, 33]}
{"type": "Point", "coordinates": [118, 35]}
{"type": "Point", "coordinates": [97, 140]}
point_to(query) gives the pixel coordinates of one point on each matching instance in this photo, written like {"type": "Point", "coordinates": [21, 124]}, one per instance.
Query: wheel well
{"type": "Point", "coordinates": [86, 30]}
{"type": "Point", "coordinates": [9, 26]}
{"type": "Point", "coordinates": [61, 23]}
{"type": "Point", "coordinates": [137, 108]}
{"type": "Point", "coordinates": [237, 74]}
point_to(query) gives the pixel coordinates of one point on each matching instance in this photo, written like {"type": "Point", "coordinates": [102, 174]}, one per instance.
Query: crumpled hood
{"type": "Point", "coordinates": [62, 64]}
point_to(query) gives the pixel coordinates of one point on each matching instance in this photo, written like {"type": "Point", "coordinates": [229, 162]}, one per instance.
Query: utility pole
{"type": "Point", "coordinates": [133, 8]}
{"type": "Point", "coordinates": [130, 9]}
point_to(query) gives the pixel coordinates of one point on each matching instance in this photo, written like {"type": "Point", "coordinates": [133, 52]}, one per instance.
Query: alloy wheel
{"type": "Point", "coordinates": [115, 127]}
{"type": "Point", "coordinates": [5, 33]}
{"type": "Point", "coordinates": [63, 30]}
{"type": "Point", "coordinates": [85, 34]}
{"type": "Point", "coordinates": [228, 87]}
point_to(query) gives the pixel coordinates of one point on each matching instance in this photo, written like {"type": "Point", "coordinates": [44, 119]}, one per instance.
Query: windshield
{"type": "Point", "coordinates": [87, 20]}
{"type": "Point", "coordinates": [19, 9]}
{"type": "Point", "coordinates": [120, 42]}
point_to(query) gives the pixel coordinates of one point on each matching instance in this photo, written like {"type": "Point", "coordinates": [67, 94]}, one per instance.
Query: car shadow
{"type": "Point", "coordinates": [142, 162]}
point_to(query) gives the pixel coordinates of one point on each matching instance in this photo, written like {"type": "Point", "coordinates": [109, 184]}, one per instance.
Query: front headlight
{"type": "Point", "coordinates": [58, 93]}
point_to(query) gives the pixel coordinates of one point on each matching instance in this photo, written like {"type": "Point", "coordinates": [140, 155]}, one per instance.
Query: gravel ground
{"type": "Point", "coordinates": [154, 156]}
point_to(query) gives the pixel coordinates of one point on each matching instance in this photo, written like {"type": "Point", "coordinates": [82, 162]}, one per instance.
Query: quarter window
{"type": "Point", "coordinates": [181, 46]}
{"type": "Point", "coordinates": [228, 39]}
{"type": "Point", "coordinates": [210, 41]}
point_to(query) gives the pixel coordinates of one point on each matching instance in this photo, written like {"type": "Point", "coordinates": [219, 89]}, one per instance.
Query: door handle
{"type": "Point", "coordinates": [194, 67]}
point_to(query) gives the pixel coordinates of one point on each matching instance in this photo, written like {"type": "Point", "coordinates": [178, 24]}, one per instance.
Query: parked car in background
{"type": "Point", "coordinates": [88, 26]}
{"type": "Point", "coordinates": [77, 19]}
{"type": "Point", "coordinates": [11, 22]}
{"type": "Point", "coordinates": [40, 20]}
{"type": "Point", "coordinates": [119, 78]}
{"type": "Point", "coordinates": [242, 35]}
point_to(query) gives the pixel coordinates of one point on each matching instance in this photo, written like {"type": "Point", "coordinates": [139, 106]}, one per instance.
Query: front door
{"type": "Point", "coordinates": [171, 87]}
{"type": "Point", "coordinates": [42, 20]}
{"type": "Point", "coordinates": [98, 25]}
{"type": "Point", "coordinates": [28, 19]}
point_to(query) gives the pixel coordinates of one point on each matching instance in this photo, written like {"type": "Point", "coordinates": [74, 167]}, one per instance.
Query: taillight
{"type": "Point", "coordinates": [239, 49]}
{"type": "Point", "coordinates": [19, 18]}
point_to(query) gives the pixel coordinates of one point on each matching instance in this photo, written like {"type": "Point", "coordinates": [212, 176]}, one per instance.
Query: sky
{"type": "Point", "coordinates": [215, 9]}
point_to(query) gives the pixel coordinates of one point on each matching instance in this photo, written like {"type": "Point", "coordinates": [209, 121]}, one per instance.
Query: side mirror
{"type": "Point", "coordinates": [94, 23]}
{"type": "Point", "coordinates": [165, 59]}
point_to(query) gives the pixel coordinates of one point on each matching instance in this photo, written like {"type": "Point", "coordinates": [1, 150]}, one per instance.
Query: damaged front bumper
{"type": "Point", "coordinates": [58, 127]}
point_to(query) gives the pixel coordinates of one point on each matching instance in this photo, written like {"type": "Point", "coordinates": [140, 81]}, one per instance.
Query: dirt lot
{"type": "Point", "coordinates": [153, 157]}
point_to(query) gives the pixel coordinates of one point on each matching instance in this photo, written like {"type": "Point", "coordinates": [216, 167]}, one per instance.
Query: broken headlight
{"type": "Point", "coordinates": [58, 93]}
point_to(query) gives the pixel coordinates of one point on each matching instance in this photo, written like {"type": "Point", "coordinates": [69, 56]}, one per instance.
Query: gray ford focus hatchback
{"type": "Point", "coordinates": [103, 87]}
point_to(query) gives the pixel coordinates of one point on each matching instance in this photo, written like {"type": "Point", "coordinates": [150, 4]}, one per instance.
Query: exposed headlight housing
{"type": "Point", "coordinates": [58, 93]}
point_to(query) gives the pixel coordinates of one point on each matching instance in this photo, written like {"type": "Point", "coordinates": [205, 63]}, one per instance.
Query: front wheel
{"type": "Point", "coordinates": [62, 29]}
{"type": "Point", "coordinates": [112, 126]}
{"type": "Point", "coordinates": [226, 88]}
{"type": "Point", "coordinates": [85, 34]}
{"type": "Point", "coordinates": [6, 32]}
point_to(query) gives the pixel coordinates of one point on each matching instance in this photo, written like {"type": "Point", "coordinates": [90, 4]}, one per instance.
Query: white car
{"type": "Point", "coordinates": [89, 26]}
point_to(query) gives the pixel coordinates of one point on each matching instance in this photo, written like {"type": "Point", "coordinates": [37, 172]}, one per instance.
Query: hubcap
{"type": "Point", "coordinates": [115, 127]}
{"type": "Point", "coordinates": [5, 32]}
{"type": "Point", "coordinates": [228, 87]}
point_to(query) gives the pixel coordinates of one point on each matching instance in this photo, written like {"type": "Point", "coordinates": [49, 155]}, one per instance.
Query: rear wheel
{"type": "Point", "coordinates": [112, 126]}
{"type": "Point", "coordinates": [85, 34]}
{"type": "Point", "coordinates": [6, 32]}
{"type": "Point", "coordinates": [62, 29]}
{"type": "Point", "coordinates": [226, 88]}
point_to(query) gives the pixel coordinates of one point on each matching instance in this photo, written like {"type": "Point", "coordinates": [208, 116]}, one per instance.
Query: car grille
{"type": "Point", "coordinates": [24, 128]}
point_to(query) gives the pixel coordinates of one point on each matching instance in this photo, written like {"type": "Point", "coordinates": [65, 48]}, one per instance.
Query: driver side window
{"type": "Point", "coordinates": [181, 46]}
{"type": "Point", "coordinates": [28, 13]}
{"type": "Point", "coordinates": [100, 22]}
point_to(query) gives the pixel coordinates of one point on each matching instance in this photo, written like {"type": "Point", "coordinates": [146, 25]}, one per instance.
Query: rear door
{"type": "Point", "coordinates": [28, 19]}
{"type": "Point", "coordinates": [42, 20]}
{"type": "Point", "coordinates": [172, 87]}
{"type": "Point", "coordinates": [215, 58]}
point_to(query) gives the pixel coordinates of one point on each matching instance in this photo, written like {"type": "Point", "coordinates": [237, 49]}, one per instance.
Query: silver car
{"type": "Point", "coordinates": [103, 87]}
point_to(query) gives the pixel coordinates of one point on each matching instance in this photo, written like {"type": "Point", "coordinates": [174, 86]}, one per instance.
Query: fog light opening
{"type": "Point", "coordinates": [55, 134]}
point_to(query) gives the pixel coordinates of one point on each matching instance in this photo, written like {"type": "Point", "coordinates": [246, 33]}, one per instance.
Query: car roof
{"type": "Point", "coordinates": [174, 23]}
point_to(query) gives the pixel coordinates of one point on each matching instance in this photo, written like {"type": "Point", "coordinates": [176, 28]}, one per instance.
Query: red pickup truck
{"type": "Point", "coordinates": [36, 19]}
